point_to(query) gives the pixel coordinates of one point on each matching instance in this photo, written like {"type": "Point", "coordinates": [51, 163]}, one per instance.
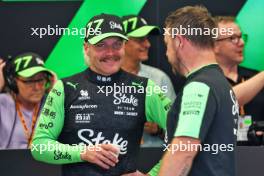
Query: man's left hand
{"type": "Point", "coordinates": [151, 128]}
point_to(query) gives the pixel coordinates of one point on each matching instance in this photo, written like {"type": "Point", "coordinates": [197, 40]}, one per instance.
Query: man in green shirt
{"type": "Point", "coordinates": [201, 125]}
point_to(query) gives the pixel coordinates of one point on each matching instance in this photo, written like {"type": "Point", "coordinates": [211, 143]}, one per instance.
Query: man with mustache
{"type": "Point", "coordinates": [94, 120]}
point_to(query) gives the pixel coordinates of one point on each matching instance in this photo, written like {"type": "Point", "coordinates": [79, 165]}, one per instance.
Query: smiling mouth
{"type": "Point", "coordinates": [143, 50]}
{"type": "Point", "coordinates": [240, 52]}
{"type": "Point", "coordinates": [109, 60]}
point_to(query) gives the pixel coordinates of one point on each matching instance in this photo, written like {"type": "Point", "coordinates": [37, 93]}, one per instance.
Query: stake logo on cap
{"type": "Point", "coordinates": [136, 26]}
{"type": "Point", "coordinates": [103, 26]}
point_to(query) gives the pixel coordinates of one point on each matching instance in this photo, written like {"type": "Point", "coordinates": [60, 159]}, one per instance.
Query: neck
{"type": "Point", "coordinates": [198, 59]}
{"type": "Point", "coordinates": [131, 65]}
{"type": "Point", "coordinates": [25, 104]}
{"type": "Point", "coordinates": [230, 71]}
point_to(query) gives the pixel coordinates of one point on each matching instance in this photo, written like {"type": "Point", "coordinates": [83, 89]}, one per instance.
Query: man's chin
{"type": "Point", "coordinates": [110, 70]}
{"type": "Point", "coordinates": [240, 59]}
{"type": "Point", "coordinates": [237, 60]}
{"type": "Point", "coordinates": [143, 58]}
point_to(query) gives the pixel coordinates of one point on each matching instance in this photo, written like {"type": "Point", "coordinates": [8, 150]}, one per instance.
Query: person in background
{"type": "Point", "coordinates": [247, 83]}
{"type": "Point", "coordinates": [27, 81]}
{"type": "Point", "coordinates": [136, 51]}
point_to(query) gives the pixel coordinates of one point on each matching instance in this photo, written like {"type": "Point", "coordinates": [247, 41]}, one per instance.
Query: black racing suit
{"type": "Point", "coordinates": [91, 109]}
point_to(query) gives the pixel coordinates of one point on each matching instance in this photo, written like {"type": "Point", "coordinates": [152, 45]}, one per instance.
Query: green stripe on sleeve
{"type": "Point", "coordinates": [45, 146]}
{"type": "Point", "coordinates": [155, 170]}
{"type": "Point", "coordinates": [157, 104]}
{"type": "Point", "coordinates": [193, 105]}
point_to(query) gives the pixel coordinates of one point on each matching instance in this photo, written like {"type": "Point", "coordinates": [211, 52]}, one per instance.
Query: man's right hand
{"type": "Point", "coordinates": [103, 155]}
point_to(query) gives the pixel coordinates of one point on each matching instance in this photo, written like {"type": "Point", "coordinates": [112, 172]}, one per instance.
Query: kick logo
{"type": "Point", "coordinates": [100, 139]}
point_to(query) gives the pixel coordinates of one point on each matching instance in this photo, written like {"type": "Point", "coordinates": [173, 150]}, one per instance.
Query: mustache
{"type": "Point", "coordinates": [110, 58]}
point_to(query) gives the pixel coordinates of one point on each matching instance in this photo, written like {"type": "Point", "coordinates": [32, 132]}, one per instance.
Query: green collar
{"type": "Point", "coordinates": [197, 69]}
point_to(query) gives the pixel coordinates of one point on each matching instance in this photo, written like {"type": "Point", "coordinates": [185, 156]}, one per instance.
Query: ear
{"type": "Point", "coordinates": [177, 41]}
{"type": "Point", "coordinates": [85, 46]}
{"type": "Point", "coordinates": [182, 40]}
{"type": "Point", "coordinates": [216, 48]}
{"type": "Point", "coordinates": [126, 43]}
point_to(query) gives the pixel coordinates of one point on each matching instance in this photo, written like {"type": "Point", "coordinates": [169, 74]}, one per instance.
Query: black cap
{"type": "Point", "coordinates": [102, 26]}
{"type": "Point", "coordinates": [29, 64]}
{"type": "Point", "coordinates": [136, 26]}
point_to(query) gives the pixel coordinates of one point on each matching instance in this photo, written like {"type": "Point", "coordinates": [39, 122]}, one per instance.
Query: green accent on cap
{"type": "Point", "coordinates": [32, 71]}
{"type": "Point", "coordinates": [98, 38]}
{"type": "Point", "coordinates": [142, 31]}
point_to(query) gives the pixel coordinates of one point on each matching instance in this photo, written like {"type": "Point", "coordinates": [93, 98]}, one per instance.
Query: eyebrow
{"type": "Point", "coordinates": [238, 34]}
